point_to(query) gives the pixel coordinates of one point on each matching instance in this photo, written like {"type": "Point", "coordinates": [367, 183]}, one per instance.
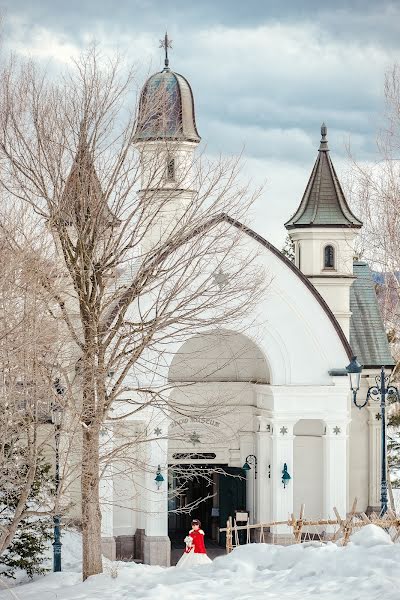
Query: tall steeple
{"type": "Point", "coordinates": [166, 138]}
{"type": "Point", "coordinates": [323, 203]}
{"type": "Point", "coordinates": [323, 230]}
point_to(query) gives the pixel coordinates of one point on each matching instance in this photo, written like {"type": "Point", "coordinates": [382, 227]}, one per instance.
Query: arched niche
{"type": "Point", "coordinates": [219, 356]}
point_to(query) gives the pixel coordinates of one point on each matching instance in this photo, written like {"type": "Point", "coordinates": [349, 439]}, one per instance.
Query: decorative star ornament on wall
{"type": "Point", "coordinates": [336, 430]}
{"type": "Point", "coordinates": [157, 431]}
{"type": "Point", "coordinates": [283, 430]}
{"type": "Point", "coordinates": [194, 438]}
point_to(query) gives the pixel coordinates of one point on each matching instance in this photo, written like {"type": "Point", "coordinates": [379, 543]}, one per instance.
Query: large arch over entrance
{"type": "Point", "coordinates": [219, 355]}
{"type": "Point", "coordinates": [209, 369]}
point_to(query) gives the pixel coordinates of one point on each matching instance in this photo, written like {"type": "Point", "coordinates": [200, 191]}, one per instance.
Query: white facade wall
{"type": "Point", "coordinates": [298, 345]}
{"type": "Point", "coordinates": [333, 284]}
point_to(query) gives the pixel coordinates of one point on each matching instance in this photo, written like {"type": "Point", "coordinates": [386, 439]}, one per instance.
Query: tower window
{"type": "Point", "coordinates": [171, 169]}
{"type": "Point", "coordinates": [329, 257]}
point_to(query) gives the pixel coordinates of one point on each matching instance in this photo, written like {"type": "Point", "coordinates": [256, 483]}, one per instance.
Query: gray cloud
{"type": "Point", "coordinates": [264, 73]}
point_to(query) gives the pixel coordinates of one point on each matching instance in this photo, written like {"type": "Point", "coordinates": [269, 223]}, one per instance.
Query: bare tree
{"type": "Point", "coordinates": [144, 269]}
{"type": "Point", "coordinates": [29, 351]}
{"type": "Point", "coordinates": [376, 191]}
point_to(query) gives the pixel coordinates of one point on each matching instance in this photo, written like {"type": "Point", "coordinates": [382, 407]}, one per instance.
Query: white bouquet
{"type": "Point", "coordinates": [189, 542]}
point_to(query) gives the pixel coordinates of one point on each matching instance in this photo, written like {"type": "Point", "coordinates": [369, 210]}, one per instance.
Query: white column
{"type": "Point", "coordinates": [335, 467]}
{"type": "Point", "coordinates": [282, 452]}
{"type": "Point", "coordinates": [263, 484]}
{"type": "Point", "coordinates": [156, 543]}
{"type": "Point", "coordinates": [375, 454]}
{"type": "Point", "coordinates": [156, 520]}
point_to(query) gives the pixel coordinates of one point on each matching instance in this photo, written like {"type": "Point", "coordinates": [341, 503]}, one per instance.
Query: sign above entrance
{"type": "Point", "coordinates": [194, 456]}
{"type": "Point", "coordinates": [203, 420]}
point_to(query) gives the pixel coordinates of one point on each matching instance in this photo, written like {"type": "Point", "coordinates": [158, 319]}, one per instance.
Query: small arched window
{"type": "Point", "coordinates": [329, 257]}
{"type": "Point", "coordinates": [170, 169]}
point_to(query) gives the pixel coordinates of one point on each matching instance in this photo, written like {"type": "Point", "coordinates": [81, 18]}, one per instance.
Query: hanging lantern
{"type": "Point", "coordinates": [285, 476]}
{"type": "Point", "coordinates": [354, 371]}
{"type": "Point", "coordinates": [159, 479]}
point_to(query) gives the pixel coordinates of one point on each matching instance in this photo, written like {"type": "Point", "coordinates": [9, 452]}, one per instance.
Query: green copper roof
{"type": "Point", "coordinates": [368, 338]}
{"type": "Point", "coordinates": [323, 203]}
{"type": "Point", "coordinates": [166, 109]}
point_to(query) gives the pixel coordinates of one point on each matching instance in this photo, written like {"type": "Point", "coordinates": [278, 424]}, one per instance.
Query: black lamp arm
{"type": "Point", "coordinates": [369, 394]}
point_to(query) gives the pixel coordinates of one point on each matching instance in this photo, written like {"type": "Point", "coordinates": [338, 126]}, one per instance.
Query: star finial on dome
{"type": "Point", "coordinates": [324, 141]}
{"type": "Point", "coordinates": [166, 43]}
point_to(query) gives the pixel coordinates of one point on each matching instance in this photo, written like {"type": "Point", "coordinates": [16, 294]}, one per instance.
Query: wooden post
{"type": "Point", "coordinates": [228, 542]}
{"type": "Point", "coordinates": [297, 525]}
{"type": "Point", "coordinates": [346, 525]}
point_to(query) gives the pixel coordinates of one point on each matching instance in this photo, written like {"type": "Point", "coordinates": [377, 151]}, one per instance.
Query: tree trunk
{"type": "Point", "coordinates": [91, 512]}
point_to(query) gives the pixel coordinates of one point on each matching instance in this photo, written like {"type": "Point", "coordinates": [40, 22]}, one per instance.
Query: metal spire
{"type": "Point", "coordinates": [166, 43]}
{"type": "Point", "coordinates": [324, 141]}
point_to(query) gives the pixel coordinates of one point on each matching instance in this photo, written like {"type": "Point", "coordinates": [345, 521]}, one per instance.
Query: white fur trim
{"type": "Point", "coordinates": [199, 530]}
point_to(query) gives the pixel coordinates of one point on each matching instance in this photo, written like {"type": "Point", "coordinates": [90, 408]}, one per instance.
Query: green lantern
{"type": "Point", "coordinates": [246, 466]}
{"type": "Point", "coordinates": [159, 479]}
{"type": "Point", "coordinates": [285, 476]}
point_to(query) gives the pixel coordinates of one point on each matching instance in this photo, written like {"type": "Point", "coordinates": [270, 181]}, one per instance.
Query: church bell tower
{"type": "Point", "coordinates": [323, 230]}
{"type": "Point", "coordinates": [166, 137]}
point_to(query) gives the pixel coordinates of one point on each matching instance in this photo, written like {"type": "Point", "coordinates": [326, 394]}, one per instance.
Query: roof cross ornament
{"type": "Point", "coordinates": [324, 141]}
{"type": "Point", "coordinates": [166, 43]}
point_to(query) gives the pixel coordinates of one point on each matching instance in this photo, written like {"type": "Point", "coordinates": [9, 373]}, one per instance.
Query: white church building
{"type": "Point", "coordinates": [293, 409]}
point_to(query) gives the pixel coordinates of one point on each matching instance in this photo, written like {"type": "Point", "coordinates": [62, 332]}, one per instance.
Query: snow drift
{"type": "Point", "coordinates": [367, 569]}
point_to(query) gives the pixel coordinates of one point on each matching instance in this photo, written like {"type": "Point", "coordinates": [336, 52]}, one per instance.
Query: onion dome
{"type": "Point", "coordinates": [166, 107]}
{"type": "Point", "coordinates": [323, 203]}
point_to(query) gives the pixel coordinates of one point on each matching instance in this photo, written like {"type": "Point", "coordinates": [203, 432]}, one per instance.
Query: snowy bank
{"type": "Point", "coordinates": [367, 569]}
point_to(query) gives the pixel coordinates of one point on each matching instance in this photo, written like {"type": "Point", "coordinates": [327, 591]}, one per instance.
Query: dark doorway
{"type": "Point", "coordinates": [232, 496]}
{"type": "Point", "coordinates": [227, 494]}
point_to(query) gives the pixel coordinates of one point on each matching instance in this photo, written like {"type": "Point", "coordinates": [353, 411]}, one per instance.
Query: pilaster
{"type": "Point", "coordinates": [282, 452]}
{"type": "Point", "coordinates": [263, 453]}
{"type": "Point", "coordinates": [375, 456]}
{"type": "Point", "coordinates": [156, 545]}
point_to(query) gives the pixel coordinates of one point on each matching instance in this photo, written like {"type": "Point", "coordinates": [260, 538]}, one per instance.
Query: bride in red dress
{"type": "Point", "coordinates": [195, 551]}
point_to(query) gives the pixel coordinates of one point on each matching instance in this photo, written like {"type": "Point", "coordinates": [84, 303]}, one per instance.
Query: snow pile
{"type": "Point", "coordinates": [364, 570]}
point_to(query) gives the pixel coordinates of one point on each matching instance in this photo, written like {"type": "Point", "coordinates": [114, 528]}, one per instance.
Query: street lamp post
{"type": "Point", "coordinates": [381, 391]}
{"type": "Point", "coordinates": [251, 459]}
{"type": "Point", "coordinates": [56, 418]}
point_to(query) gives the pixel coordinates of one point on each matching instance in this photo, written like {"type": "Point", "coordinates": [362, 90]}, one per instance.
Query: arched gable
{"type": "Point", "coordinates": [288, 263]}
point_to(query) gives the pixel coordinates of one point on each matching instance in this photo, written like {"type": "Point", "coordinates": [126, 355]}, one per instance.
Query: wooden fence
{"type": "Point", "coordinates": [299, 530]}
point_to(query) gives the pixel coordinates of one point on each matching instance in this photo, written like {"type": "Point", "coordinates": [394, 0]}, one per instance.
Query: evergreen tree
{"type": "Point", "coordinates": [288, 248]}
{"type": "Point", "coordinates": [27, 548]}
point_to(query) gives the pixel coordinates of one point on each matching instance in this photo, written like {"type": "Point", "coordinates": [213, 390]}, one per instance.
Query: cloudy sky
{"type": "Point", "coordinates": [265, 73]}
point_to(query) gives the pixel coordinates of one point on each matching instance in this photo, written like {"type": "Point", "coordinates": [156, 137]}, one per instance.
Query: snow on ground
{"type": "Point", "coordinates": [367, 569]}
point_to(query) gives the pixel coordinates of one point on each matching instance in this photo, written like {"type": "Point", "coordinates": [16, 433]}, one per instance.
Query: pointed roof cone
{"type": "Point", "coordinates": [82, 191]}
{"type": "Point", "coordinates": [323, 203]}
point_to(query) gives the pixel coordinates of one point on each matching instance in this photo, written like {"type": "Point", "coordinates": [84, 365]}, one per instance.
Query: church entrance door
{"type": "Point", "coordinates": [214, 499]}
